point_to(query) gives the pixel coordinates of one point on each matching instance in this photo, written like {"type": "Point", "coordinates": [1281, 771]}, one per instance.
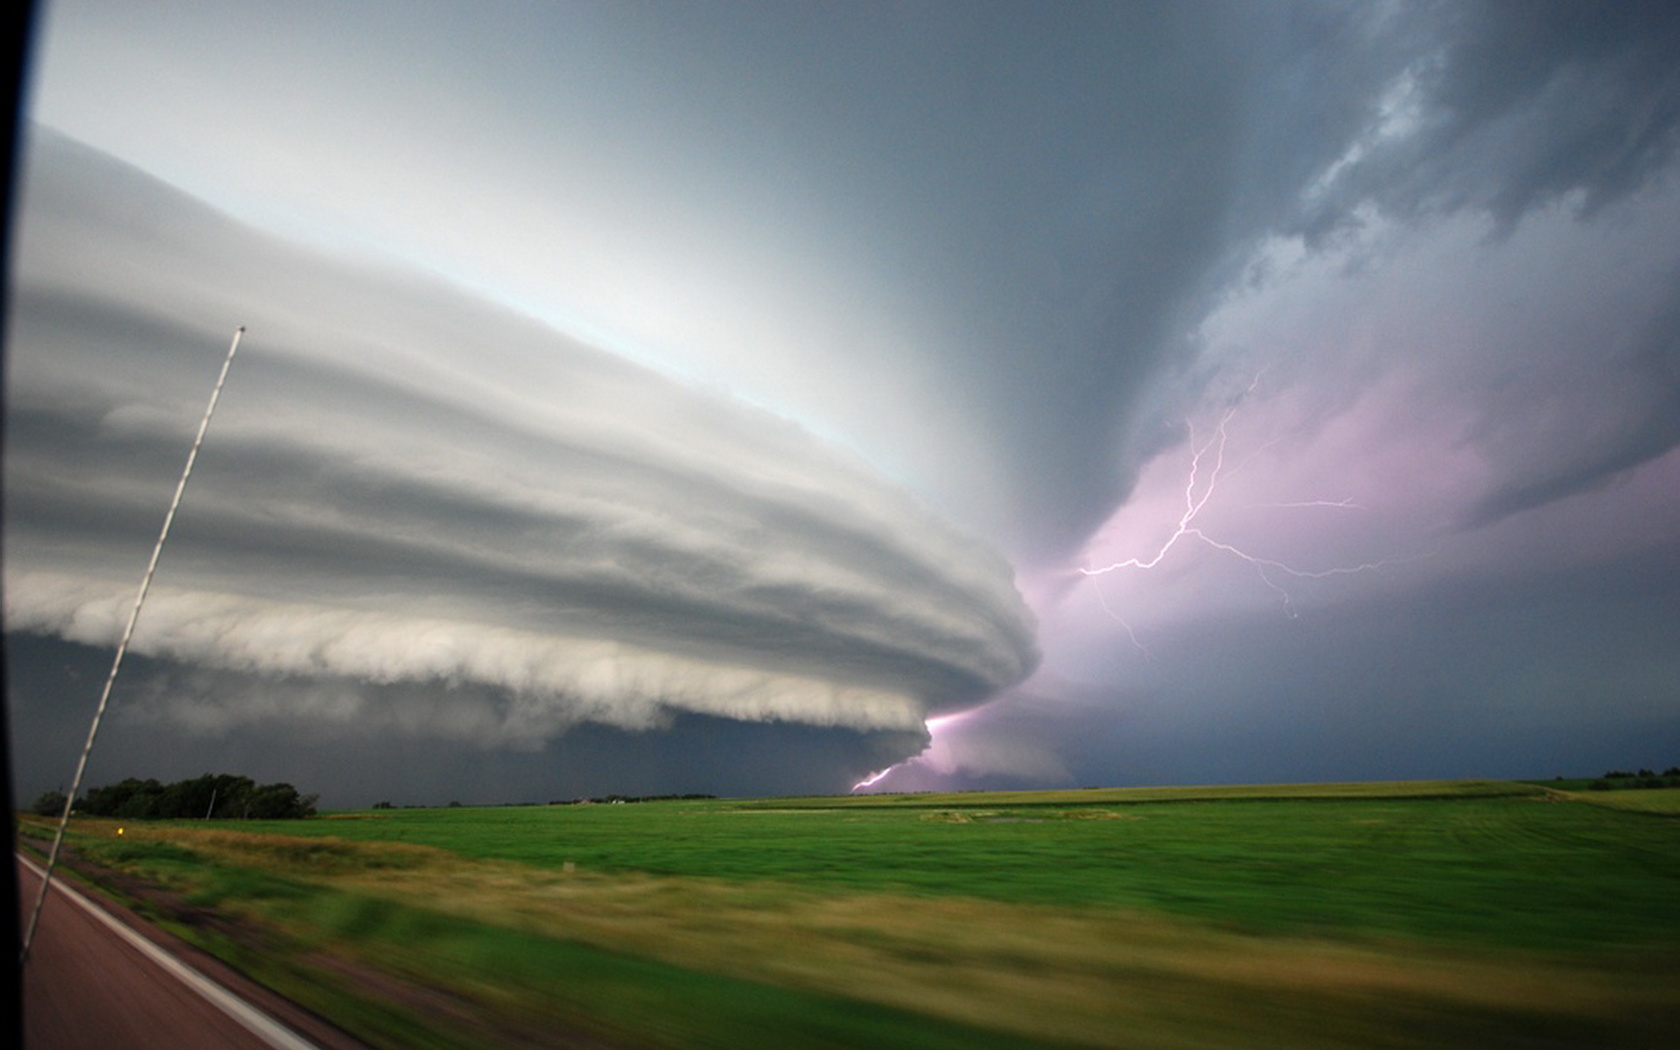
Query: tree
{"type": "Point", "coordinates": [280, 802]}
{"type": "Point", "coordinates": [126, 798]}
{"type": "Point", "coordinates": [191, 798]}
{"type": "Point", "coordinates": [50, 804]}
{"type": "Point", "coordinates": [213, 795]}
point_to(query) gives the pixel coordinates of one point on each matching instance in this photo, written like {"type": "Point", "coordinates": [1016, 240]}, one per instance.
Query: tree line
{"type": "Point", "coordinates": [213, 796]}
{"type": "Point", "coordinates": [1644, 778]}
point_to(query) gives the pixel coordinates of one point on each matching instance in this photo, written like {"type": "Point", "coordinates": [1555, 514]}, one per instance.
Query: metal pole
{"type": "Point", "coordinates": [122, 645]}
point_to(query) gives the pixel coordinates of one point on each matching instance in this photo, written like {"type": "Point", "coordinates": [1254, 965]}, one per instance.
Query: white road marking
{"type": "Point", "coordinates": [258, 1023]}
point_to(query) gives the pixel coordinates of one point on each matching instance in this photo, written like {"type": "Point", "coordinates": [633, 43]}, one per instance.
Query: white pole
{"type": "Point", "coordinates": [122, 645]}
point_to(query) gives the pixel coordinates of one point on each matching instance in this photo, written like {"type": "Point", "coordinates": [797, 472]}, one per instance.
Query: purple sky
{"type": "Point", "coordinates": [646, 398]}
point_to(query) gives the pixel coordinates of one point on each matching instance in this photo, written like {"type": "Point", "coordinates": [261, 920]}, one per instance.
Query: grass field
{"type": "Point", "coordinates": [1641, 800]}
{"type": "Point", "coordinates": [1385, 915]}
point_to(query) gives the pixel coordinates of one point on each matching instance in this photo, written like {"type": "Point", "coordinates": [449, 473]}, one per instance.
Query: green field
{"type": "Point", "coordinates": [1642, 800]}
{"type": "Point", "coordinates": [1470, 913]}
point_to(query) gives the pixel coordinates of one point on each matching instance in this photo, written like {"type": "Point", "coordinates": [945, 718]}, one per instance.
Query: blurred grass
{"type": "Point", "coordinates": [1446, 914]}
{"type": "Point", "coordinates": [1477, 869]}
{"type": "Point", "coordinates": [1638, 800]}
{"type": "Point", "coordinates": [1364, 789]}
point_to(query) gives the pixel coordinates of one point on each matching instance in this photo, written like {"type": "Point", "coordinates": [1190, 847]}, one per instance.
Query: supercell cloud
{"type": "Point", "coordinates": [406, 486]}
{"type": "Point", "coordinates": [572, 418]}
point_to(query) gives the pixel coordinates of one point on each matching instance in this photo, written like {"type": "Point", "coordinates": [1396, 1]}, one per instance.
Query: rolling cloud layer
{"type": "Point", "coordinates": [405, 486]}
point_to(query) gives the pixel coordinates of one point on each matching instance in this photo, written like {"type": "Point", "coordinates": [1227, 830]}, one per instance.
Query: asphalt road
{"type": "Point", "coordinates": [87, 984]}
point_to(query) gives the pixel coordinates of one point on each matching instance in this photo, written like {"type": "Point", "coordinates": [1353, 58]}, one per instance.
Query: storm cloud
{"type": "Point", "coordinates": [651, 375]}
{"type": "Point", "coordinates": [577, 534]}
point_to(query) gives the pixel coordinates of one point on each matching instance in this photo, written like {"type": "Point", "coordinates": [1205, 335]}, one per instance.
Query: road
{"type": "Point", "coordinates": [91, 980]}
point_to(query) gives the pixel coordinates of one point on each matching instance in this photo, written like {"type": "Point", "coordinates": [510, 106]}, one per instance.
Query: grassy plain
{"type": "Point", "coordinates": [1378, 915]}
{"type": "Point", "coordinates": [1639, 800]}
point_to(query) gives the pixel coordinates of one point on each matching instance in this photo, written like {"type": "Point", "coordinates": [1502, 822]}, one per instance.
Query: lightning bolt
{"type": "Point", "coordinates": [1207, 468]}
{"type": "Point", "coordinates": [1211, 463]}
{"type": "Point", "coordinates": [1121, 620]}
{"type": "Point", "coordinates": [1193, 501]}
{"type": "Point", "coordinates": [933, 727]}
{"type": "Point", "coordinates": [875, 778]}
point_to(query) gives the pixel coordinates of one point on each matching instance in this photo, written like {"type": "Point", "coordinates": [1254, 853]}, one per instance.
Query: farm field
{"type": "Point", "coordinates": [1641, 800]}
{"type": "Point", "coordinates": [1471, 913]}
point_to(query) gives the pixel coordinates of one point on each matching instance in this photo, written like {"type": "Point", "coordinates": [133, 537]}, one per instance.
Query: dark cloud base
{"type": "Point", "coordinates": [1570, 671]}
{"type": "Point", "coordinates": [54, 686]}
{"type": "Point", "coordinates": [1474, 678]}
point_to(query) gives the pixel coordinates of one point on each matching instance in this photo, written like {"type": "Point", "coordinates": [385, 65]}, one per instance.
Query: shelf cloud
{"type": "Point", "coordinates": [584, 538]}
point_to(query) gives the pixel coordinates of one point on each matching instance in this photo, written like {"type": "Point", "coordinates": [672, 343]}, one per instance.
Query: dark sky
{"type": "Point", "coordinates": [649, 397]}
